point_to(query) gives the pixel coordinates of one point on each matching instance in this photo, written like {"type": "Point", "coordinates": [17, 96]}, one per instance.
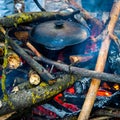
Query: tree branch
{"type": "Point", "coordinates": [81, 71]}
{"type": "Point", "coordinates": [21, 18]}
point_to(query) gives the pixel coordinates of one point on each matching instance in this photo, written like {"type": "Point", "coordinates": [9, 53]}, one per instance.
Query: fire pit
{"type": "Point", "coordinates": [70, 44]}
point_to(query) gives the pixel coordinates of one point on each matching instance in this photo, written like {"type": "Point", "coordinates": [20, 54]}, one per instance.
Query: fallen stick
{"type": "Point", "coordinates": [91, 95]}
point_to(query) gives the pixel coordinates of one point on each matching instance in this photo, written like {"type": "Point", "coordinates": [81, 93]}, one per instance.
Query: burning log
{"type": "Point", "coordinates": [38, 95]}
{"type": "Point", "coordinates": [20, 18]}
{"type": "Point", "coordinates": [91, 96]}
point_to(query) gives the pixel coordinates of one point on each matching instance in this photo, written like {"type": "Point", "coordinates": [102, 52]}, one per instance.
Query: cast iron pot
{"type": "Point", "coordinates": [57, 34]}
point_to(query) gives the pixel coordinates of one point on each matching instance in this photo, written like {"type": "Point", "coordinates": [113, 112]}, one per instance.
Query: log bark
{"type": "Point", "coordinates": [21, 18]}
{"type": "Point", "coordinates": [27, 98]}
{"type": "Point", "coordinates": [91, 95]}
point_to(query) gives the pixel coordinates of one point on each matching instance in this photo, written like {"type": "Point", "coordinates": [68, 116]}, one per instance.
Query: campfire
{"type": "Point", "coordinates": [55, 67]}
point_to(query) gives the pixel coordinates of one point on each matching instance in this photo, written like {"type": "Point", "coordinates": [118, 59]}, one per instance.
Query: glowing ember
{"type": "Point", "coordinates": [104, 93]}
{"type": "Point", "coordinates": [116, 86]}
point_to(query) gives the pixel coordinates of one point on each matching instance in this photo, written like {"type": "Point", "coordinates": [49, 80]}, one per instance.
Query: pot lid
{"type": "Point", "coordinates": [57, 34]}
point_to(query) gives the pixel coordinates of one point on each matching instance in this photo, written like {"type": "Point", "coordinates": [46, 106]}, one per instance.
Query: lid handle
{"type": "Point", "coordinates": [59, 24]}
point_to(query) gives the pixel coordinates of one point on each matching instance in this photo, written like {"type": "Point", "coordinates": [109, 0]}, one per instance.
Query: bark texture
{"type": "Point", "coordinates": [22, 18]}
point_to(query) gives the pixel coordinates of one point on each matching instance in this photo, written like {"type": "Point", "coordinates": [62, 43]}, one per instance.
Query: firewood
{"type": "Point", "coordinates": [45, 75]}
{"type": "Point", "coordinates": [5, 117]}
{"type": "Point", "coordinates": [81, 71]}
{"type": "Point", "coordinates": [77, 58]}
{"type": "Point", "coordinates": [37, 95]}
{"type": "Point", "coordinates": [32, 48]}
{"type": "Point", "coordinates": [23, 36]}
{"type": "Point", "coordinates": [22, 18]}
{"type": "Point", "coordinates": [34, 78]}
{"type": "Point", "coordinates": [13, 59]}
{"type": "Point", "coordinates": [91, 95]}
{"type": "Point", "coordinates": [101, 118]}
{"type": "Point", "coordinates": [75, 70]}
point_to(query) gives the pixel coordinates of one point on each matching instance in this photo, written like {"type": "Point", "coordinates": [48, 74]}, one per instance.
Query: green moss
{"type": "Point", "coordinates": [4, 69]}
{"type": "Point", "coordinates": [35, 97]}
{"type": "Point", "coordinates": [43, 84]}
{"type": "Point", "coordinates": [3, 80]}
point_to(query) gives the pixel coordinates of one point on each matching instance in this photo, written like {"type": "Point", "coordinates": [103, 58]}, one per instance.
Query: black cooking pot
{"type": "Point", "coordinates": [57, 34]}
